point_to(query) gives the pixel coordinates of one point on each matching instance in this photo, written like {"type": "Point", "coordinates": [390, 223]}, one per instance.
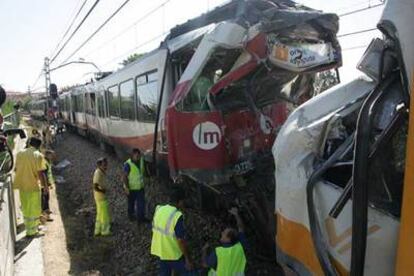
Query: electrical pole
{"type": "Point", "coordinates": [47, 81]}
{"type": "Point", "coordinates": [29, 92]}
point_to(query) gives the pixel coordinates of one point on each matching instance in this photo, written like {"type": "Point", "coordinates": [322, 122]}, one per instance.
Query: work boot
{"type": "Point", "coordinates": [43, 219]}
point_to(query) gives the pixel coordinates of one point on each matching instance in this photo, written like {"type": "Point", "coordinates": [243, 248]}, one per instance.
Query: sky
{"type": "Point", "coordinates": [31, 30]}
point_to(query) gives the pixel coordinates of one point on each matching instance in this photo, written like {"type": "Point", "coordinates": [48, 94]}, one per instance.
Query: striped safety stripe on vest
{"type": "Point", "coordinates": [30, 218]}
{"type": "Point", "coordinates": [167, 226]}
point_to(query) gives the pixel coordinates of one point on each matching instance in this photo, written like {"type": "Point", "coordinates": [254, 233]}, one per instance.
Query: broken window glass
{"type": "Point", "coordinates": [220, 63]}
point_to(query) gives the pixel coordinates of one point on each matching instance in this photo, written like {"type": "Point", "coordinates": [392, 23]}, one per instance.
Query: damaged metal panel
{"type": "Point", "coordinates": [347, 163]}
{"type": "Point", "coordinates": [244, 77]}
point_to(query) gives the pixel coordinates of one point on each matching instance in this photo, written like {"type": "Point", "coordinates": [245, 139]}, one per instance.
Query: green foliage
{"type": "Point", "coordinates": [7, 107]}
{"type": "Point", "coordinates": [132, 58]}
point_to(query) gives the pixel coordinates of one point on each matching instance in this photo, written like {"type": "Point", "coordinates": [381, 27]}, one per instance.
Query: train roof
{"type": "Point", "coordinates": [250, 11]}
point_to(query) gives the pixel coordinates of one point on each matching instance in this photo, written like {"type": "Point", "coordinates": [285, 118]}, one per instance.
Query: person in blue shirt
{"type": "Point", "coordinates": [134, 172]}
{"type": "Point", "coordinates": [230, 238]}
{"type": "Point", "coordinates": [183, 265]}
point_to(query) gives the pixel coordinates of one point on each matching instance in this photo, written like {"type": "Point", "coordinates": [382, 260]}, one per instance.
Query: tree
{"type": "Point", "coordinates": [131, 58]}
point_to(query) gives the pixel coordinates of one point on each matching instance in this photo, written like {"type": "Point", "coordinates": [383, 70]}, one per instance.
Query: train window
{"type": "Point", "coordinates": [90, 104]}
{"type": "Point", "coordinates": [142, 80]}
{"type": "Point", "coordinates": [60, 104]}
{"type": "Point", "coordinates": [79, 103]}
{"type": "Point", "coordinates": [147, 95]}
{"type": "Point", "coordinates": [75, 103]}
{"type": "Point", "coordinates": [101, 110]}
{"type": "Point", "coordinates": [152, 77]}
{"type": "Point", "coordinates": [126, 91]}
{"type": "Point", "coordinates": [113, 101]}
{"type": "Point", "coordinates": [67, 104]}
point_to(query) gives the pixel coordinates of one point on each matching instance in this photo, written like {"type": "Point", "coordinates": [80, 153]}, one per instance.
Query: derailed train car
{"type": "Point", "coordinates": [343, 178]}
{"type": "Point", "coordinates": [38, 108]}
{"type": "Point", "coordinates": [207, 104]}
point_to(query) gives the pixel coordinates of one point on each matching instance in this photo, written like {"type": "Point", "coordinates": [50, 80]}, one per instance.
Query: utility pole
{"type": "Point", "coordinates": [47, 81]}
{"type": "Point", "coordinates": [29, 92]}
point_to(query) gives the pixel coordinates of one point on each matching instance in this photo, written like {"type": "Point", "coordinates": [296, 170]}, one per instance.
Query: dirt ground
{"type": "Point", "coordinates": [55, 255]}
{"type": "Point", "coordinates": [127, 251]}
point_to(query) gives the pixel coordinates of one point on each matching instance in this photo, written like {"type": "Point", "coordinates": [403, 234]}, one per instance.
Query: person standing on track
{"type": "Point", "coordinates": [103, 218]}
{"type": "Point", "coordinates": [134, 186]}
{"type": "Point", "coordinates": [29, 170]}
{"type": "Point", "coordinates": [49, 156]}
{"type": "Point", "coordinates": [35, 133]}
{"type": "Point", "coordinates": [47, 136]}
{"type": "Point", "coordinates": [169, 237]}
{"type": "Point", "coordinates": [229, 258]}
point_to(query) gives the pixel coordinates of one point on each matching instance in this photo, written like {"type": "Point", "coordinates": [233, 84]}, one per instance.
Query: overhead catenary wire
{"type": "Point", "coordinates": [70, 26]}
{"type": "Point", "coordinates": [130, 26]}
{"type": "Point", "coordinates": [354, 47]}
{"type": "Point", "coordinates": [357, 32]}
{"type": "Point", "coordinates": [33, 90]}
{"type": "Point", "coordinates": [164, 3]}
{"type": "Point", "coordinates": [75, 31]}
{"type": "Point", "coordinates": [136, 48]}
{"type": "Point", "coordinates": [154, 38]}
{"type": "Point", "coordinates": [355, 4]}
{"type": "Point", "coordinates": [97, 30]}
{"type": "Point", "coordinates": [361, 10]}
{"type": "Point", "coordinates": [37, 79]}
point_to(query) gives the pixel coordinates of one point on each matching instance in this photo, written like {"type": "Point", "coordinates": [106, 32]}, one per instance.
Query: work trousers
{"type": "Point", "coordinates": [31, 209]}
{"type": "Point", "coordinates": [103, 218]}
{"type": "Point", "coordinates": [178, 266]}
{"type": "Point", "coordinates": [45, 201]}
{"type": "Point", "coordinates": [136, 204]}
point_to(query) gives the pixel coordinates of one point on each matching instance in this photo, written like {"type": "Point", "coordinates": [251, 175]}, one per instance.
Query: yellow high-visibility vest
{"type": "Point", "coordinates": [231, 261]}
{"type": "Point", "coordinates": [135, 176]}
{"type": "Point", "coordinates": [164, 244]}
{"type": "Point", "coordinates": [29, 162]}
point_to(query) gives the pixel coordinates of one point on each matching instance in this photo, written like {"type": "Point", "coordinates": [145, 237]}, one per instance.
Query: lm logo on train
{"type": "Point", "coordinates": [206, 135]}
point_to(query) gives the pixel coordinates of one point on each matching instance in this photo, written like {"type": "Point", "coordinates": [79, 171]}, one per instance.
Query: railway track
{"type": "Point", "coordinates": [127, 251]}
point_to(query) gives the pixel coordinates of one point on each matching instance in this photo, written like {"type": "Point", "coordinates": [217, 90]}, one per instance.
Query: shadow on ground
{"type": "Point", "coordinates": [88, 255]}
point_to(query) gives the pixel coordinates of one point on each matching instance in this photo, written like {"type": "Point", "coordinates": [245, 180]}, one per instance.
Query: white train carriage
{"type": "Point", "coordinates": [38, 109]}
{"type": "Point", "coordinates": [126, 103]}
{"type": "Point", "coordinates": [64, 106]}
{"type": "Point", "coordinates": [121, 110]}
